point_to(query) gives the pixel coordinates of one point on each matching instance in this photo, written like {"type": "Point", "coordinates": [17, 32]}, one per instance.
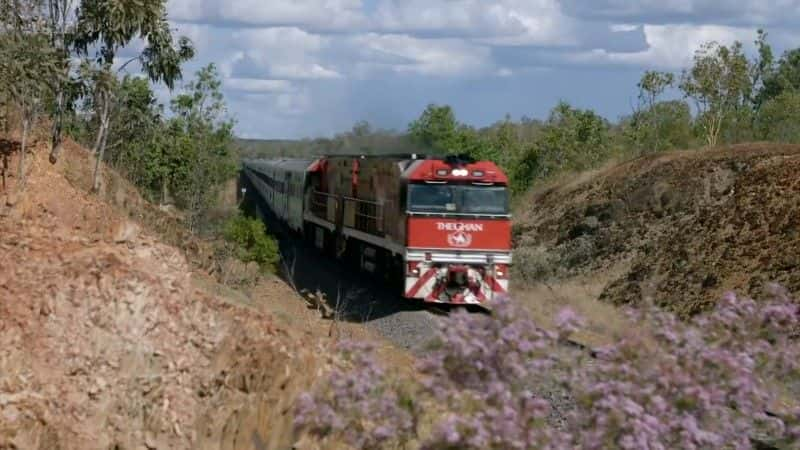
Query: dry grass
{"type": "Point", "coordinates": [565, 182]}
{"type": "Point", "coordinates": [604, 322]}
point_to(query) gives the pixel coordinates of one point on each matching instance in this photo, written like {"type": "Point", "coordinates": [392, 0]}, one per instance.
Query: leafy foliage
{"type": "Point", "coordinates": [184, 159]}
{"type": "Point", "coordinates": [663, 126]}
{"type": "Point", "coordinates": [253, 244]}
{"type": "Point", "coordinates": [437, 128]}
{"type": "Point", "coordinates": [779, 118]}
{"type": "Point", "coordinates": [785, 76]}
{"type": "Point", "coordinates": [110, 25]}
{"type": "Point", "coordinates": [29, 65]}
{"type": "Point", "coordinates": [571, 139]}
{"type": "Point", "coordinates": [704, 384]}
{"type": "Point", "coordinates": [200, 157]}
{"type": "Point", "coordinates": [657, 125]}
{"type": "Point", "coordinates": [719, 83]}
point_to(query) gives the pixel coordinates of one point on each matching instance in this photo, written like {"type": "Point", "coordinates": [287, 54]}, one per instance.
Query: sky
{"type": "Point", "coordinates": [312, 68]}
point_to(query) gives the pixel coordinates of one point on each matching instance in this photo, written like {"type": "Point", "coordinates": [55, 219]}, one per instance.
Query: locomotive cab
{"type": "Point", "coordinates": [458, 231]}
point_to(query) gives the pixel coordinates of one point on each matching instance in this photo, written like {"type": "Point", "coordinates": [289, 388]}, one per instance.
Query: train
{"type": "Point", "coordinates": [437, 227]}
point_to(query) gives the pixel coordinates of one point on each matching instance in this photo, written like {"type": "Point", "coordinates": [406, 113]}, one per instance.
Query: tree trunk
{"type": "Point", "coordinates": [98, 139]}
{"type": "Point", "coordinates": [59, 10]}
{"type": "Point", "coordinates": [100, 142]}
{"type": "Point", "coordinates": [99, 158]}
{"type": "Point", "coordinates": [26, 125]}
{"type": "Point", "coordinates": [58, 123]}
{"type": "Point", "coordinates": [164, 190]}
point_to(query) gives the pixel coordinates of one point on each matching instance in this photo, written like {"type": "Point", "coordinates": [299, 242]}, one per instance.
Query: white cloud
{"type": "Point", "coordinates": [669, 46]}
{"type": "Point", "coordinates": [623, 28]}
{"type": "Point", "coordinates": [762, 12]}
{"type": "Point", "coordinates": [323, 14]}
{"type": "Point", "coordinates": [257, 112]}
{"type": "Point", "coordinates": [432, 57]}
{"type": "Point", "coordinates": [504, 72]}
{"type": "Point", "coordinates": [255, 85]}
{"type": "Point", "coordinates": [502, 21]}
{"type": "Point", "coordinates": [284, 52]}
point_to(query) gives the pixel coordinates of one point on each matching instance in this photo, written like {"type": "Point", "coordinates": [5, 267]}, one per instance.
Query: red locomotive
{"type": "Point", "coordinates": [440, 224]}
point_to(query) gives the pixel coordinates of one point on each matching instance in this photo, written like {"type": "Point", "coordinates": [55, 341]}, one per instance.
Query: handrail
{"type": "Point", "coordinates": [368, 202]}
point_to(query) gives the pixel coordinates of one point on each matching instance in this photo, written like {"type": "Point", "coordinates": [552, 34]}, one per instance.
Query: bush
{"type": "Point", "coordinates": [253, 244]}
{"type": "Point", "coordinates": [533, 264]}
{"type": "Point", "coordinates": [707, 383]}
{"type": "Point", "coordinates": [665, 126]}
{"type": "Point", "coordinates": [779, 118]}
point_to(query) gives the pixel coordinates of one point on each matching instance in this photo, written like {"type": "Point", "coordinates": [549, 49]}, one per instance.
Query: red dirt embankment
{"type": "Point", "coordinates": [680, 228]}
{"type": "Point", "coordinates": [108, 340]}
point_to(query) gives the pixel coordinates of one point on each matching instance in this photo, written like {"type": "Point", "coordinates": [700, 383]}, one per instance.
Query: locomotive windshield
{"type": "Point", "coordinates": [457, 198]}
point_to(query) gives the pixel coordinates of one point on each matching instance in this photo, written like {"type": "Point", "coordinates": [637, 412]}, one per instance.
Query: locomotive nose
{"type": "Point", "coordinates": [457, 279]}
{"type": "Point", "coordinates": [457, 275]}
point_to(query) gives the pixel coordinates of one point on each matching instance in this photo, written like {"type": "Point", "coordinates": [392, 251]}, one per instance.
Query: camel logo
{"type": "Point", "coordinates": [459, 239]}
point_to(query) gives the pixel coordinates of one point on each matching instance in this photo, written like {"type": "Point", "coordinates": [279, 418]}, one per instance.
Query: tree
{"type": "Point", "coordinates": [437, 129]}
{"type": "Point", "coordinates": [657, 125]}
{"type": "Point", "coordinates": [362, 129]}
{"type": "Point", "coordinates": [61, 27]}
{"type": "Point", "coordinates": [779, 118]}
{"type": "Point", "coordinates": [784, 77]}
{"type": "Point", "coordinates": [571, 139]}
{"type": "Point", "coordinates": [199, 153]}
{"type": "Point", "coordinates": [575, 139]}
{"type": "Point", "coordinates": [652, 86]}
{"type": "Point", "coordinates": [110, 25]}
{"type": "Point", "coordinates": [28, 66]}
{"type": "Point", "coordinates": [666, 125]}
{"type": "Point", "coordinates": [136, 128]}
{"type": "Point", "coordinates": [721, 86]}
{"type": "Point", "coordinates": [762, 69]}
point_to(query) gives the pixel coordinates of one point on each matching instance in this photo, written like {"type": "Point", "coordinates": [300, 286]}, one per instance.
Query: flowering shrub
{"type": "Point", "coordinates": [361, 404]}
{"type": "Point", "coordinates": [499, 382]}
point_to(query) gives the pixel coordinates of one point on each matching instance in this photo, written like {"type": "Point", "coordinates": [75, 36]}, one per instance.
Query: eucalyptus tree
{"type": "Point", "coordinates": [106, 26]}
{"type": "Point", "coordinates": [28, 65]}
{"type": "Point", "coordinates": [656, 124]}
{"type": "Point", "coordinates": [61, 25]}
{"type": "Point", "coordinates": [721, 85]}
{"type": "Point", "coordinates": [200, 155]}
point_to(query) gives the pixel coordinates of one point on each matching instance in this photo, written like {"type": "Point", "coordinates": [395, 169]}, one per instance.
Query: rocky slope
{"type": "Point", "coordinates": [108, 339]}
{"type": "Point", "coordinates": [679, 228]}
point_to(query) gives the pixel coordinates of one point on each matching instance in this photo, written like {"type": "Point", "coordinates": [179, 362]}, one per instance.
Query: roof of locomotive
{"type": "Point", "coordinates": [455, 169]}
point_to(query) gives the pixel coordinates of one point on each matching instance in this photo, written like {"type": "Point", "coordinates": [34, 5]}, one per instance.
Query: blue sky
{"type": "Point", "coordinates": [309, 68]}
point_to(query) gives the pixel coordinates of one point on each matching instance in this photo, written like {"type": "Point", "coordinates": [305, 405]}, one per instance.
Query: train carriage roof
{"type": "Point", "coordinates": [283, 164]}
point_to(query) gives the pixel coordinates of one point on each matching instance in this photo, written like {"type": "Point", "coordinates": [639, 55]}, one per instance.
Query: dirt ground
{"type": "Point", "coordinates": [678, 228]}
{"type": "Point", "coordinates": [110, 339]}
